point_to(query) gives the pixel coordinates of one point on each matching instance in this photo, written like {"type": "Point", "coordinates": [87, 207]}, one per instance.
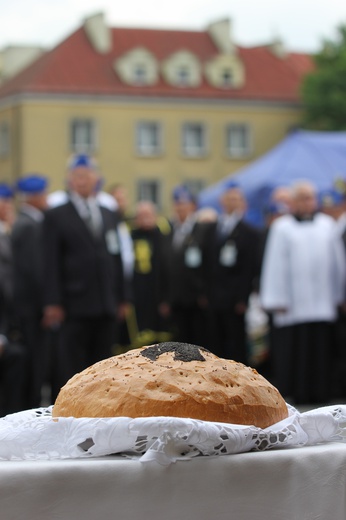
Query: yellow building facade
{"type": "Point", "coordinates": [147, 143]}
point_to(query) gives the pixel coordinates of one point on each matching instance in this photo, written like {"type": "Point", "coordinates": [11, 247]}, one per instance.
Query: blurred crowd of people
{"type": "Point", "coordinates": [83, 276]}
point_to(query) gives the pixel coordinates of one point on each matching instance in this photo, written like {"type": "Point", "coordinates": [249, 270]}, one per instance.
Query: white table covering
{"type": "Point", "coordinates": [34, 435]}
{"type": "Point", "coordinates": [307, 483]}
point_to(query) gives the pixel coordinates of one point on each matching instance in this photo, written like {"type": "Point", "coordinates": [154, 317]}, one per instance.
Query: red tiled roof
{"type": "Point", "coordinates": [74, 67]}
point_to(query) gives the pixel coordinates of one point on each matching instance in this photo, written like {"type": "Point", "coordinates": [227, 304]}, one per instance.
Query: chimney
{"type": "Point", "coordinates": [14, 58]}
{"type": "Point", "coordinates": [98, 32]}
{"type": "Point", "coordinates": [277, 47]}
{"type": "Point", "coordinates": [221, 34]}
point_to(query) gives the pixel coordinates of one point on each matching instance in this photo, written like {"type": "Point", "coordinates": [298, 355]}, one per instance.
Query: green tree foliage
{"type": "Point", "coordinates": [324, 90]}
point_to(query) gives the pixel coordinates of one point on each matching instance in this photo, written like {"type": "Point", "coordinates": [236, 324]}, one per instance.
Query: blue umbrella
{"type": "Point", "coordinates": [319, 157]}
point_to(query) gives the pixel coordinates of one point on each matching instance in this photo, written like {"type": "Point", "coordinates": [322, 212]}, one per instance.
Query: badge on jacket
{"type": "Point", "coordinates": [228, 254]}
{"type": "Point", "coordinates": [112, 242]}
{"type": "Point", "coordinates": [193, 257]}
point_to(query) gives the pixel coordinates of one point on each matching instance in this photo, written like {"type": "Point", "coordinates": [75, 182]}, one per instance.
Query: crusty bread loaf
{"type": "Point", "coordinates": [172, 379]}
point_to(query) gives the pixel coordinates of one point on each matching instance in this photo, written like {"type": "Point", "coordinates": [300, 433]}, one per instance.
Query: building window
{"type": "Point", "coordinates": [148, 138]}
{"type": "Point", "coordinates": [4, 139]}
{"type": "Point", "coordinates": [238, 140]}
{"type": "Point", "coordinates": [225, 71]}
{"type": "Point", "coordinates": [149, 190]}
{"type": "Point", "coordinates": [183, 76]}
{"type": "Point", "coordinates": [138, 67]}
{"type": "Point", "coordinates": [83, 135]}
{"type": "Point", "coordinates": [226, 78]}
{"type": "Point", "coordinates": [182, 69]}
{"type": "Point", "coordinates": [140, 74]}
{"type": "Point", "coordinates": [194, 139]}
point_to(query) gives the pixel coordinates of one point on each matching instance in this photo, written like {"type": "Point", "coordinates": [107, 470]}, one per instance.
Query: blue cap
{"type": "Point", "coordinates": [230, 184]}
{"type": "Point", "coordinates": [182, 193]}
{"type": "Point", "coordinates": [32, 184]}
{"type": "Point", "coordinates": [81, 161]}
{"type": "Point", "coordinates": [6, 191]}
{"type": "Point", "coordinates": [330, 198]}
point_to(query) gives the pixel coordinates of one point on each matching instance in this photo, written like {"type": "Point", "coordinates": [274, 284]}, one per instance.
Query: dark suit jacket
{"type": "Point", "coordinates": [232, 284]}
{"type": "Point", "coordinates": [82, 273]}
{"type": "Point", "coordinates": [6, 281]}
{"type": "Point", "coordinates": [187, 283]}
{"type": "Point", "coordinates": [27, 264]}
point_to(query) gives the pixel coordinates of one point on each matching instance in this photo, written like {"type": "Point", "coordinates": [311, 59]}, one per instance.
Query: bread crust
{"type": "Point", "coordinates": [160, 381]}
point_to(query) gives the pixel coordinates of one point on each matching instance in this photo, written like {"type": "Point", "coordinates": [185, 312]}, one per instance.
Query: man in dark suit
{"type": "Point", "coordinates": [28, 279]}
{"type": "Point", "coordinates": [12, 354]}
{"type": "Point", "coordinates": [233, 265]}
{"type": "Point", "coordinates": [84, 284]}
{"type": "Point", "coordinates": [6, 261]}
{"type": "Point", "coordinates": [186, 270]}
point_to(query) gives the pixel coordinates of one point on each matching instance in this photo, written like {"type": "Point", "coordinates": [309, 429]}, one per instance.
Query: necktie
{"type": "Point", "coordinates": [181, 232]}
{"type": "Point", "coordinates": [93, 218]}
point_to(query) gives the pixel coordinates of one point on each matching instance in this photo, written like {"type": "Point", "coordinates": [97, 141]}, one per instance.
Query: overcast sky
{"type": "Point", "coordinates": [302, 24]}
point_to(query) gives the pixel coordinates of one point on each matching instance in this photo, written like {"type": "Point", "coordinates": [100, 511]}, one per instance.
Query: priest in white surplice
{"type": "Point", "coordinates": [302, 284]}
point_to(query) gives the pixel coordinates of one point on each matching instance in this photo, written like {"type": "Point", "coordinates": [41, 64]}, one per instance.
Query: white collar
{"type": "Point", "coordinates": [3, 228]}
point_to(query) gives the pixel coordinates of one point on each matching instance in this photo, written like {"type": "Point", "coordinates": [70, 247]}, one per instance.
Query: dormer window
{"type": "Point", "coordinates": [140, 74]}
{"type": "Point", "coordinates": [183, 76]}
{"type": "Point", "coordinates": [182, 69]}
{"type": "Point", "coordinates": [138, 67]}
{"type": "Point", "coordinates": [227, 77]}
{"type": "Point", "coordinates": [225, 71]}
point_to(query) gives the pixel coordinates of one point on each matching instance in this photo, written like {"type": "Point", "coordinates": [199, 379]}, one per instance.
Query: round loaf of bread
{"type": "Point", "coordinates": [172, 379]}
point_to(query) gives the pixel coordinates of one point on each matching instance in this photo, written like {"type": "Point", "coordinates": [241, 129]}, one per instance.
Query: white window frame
{"type": "Point", "coordinates": [193, 150]}
{"type": "Point", "coordinates": [239, 150]}
{"type": "Point", "coordinates": [143, 188]}
{"type": "Point", "coordinates": [4, 139]}
{"type": "Point", "coordinates": [148, 149]}
{"type": "Point", "coordinates": [76, 142]}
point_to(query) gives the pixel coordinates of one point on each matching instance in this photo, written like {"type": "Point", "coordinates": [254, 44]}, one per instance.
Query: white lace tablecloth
{"type": "Point", "coordinates": [34, 435]}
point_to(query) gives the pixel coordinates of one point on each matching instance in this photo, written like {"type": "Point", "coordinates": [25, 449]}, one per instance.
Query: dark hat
{"type": "Point", "coordinates": [81, 161]}
{"type": "Point", "coordinates": [182, 193]}
{"type": "Point", "coordinates": [31, 184]}
{"type": "Point", "coordinates": [6, 191]}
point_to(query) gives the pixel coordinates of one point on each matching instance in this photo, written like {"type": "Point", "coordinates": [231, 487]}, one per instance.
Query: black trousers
{"type": "Point", "coordinates": [12, 378]}
{"type": "Point", "coordinates": [34, 343]}
{"type": "Point", "coordinates": [339, 359]}
{"type": "Point", "coordinates": [190, 324]}
{"type": "Point", "coordinates": [228, 335]}
{"type": "Point", "coordinates": [302, 361]}
{"type": "Point", "coordinates": [83, 341]}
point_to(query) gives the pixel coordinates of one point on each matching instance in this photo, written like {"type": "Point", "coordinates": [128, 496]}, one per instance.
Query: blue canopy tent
{"type": "Point", "coordinates": [319, 157]}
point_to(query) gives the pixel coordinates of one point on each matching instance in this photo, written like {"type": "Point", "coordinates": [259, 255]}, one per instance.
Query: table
{"type": "Point", "coordinates": [307, 483]}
